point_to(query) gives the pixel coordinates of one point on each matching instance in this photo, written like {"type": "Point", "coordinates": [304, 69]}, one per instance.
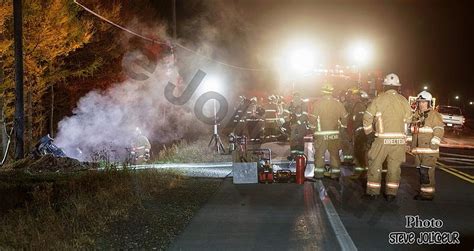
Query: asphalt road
{"type": "Point", "coordinates": [369, 223]}
{"type": "Point", "coordinates": [299, 217]}
{"type": "Point", "coordinates": [295, 217]}
{"type": "Point", "coordinates": [260, 217]}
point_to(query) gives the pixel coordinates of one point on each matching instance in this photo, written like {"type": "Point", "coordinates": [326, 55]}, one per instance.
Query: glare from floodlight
{"type": "Point", "coordinates": [213, 83]}
{"type": "Point", "coordinates": [457, 97]}
{"type": "Point", "coordinates": [425, 88]}
{"type": "Point", "coordinates": [471, 103]}
{"type": "Point", "coordinates": [361, 53]}
{"type": "Point", "coordinates": [302, 60]}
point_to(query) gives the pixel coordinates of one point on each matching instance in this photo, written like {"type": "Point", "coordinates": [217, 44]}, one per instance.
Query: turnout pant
{"type": "Point", "coordinates": [360, 152]}
{"type": "Point", "coordinates": [426, 164]}
{"type": "Point", "coordinates": [394, 154]}
{"type": "Point", "coordinates": [298, 131]}
{"type": "Point", "coordinates": [332, 144]}
{"type": "Point", "coordinates": [347, 147]}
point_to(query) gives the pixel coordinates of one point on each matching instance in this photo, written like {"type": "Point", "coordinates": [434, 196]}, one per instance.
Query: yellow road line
{"type": "Point", "coordinates": [455, 170]}
{"type": "Point", "coordinates": [460, 172]}
{"type": "Point", "coordinates": [457, 175]}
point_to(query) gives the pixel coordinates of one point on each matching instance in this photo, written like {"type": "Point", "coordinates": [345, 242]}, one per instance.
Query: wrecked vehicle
{"type": "Point", "coordinates": [46, 146]}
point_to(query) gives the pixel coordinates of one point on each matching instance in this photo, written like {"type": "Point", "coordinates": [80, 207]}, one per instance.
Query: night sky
{"type": "Point", "coordinates": [424, 42]}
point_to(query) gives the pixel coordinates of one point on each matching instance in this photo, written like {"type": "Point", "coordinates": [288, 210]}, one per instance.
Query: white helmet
{"type": "Point", "coordinates": [138, 131]}
{"type": "Point", "coordinates": [392, 80]}
{"type": "Point", "coordinates": [364, 94]}
{"type": "Point", "coordinates": [424, 96]}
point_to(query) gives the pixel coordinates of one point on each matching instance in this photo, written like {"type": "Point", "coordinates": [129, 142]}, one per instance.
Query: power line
{"type": "Point", "coordinates": [217, 61]}
{"type": "Point", "coordinates": [164, 43]}
{"type": "Point", "coordinates": [117, 25]}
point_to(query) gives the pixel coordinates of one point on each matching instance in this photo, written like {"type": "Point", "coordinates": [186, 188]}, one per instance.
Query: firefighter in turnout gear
{"type": "Point", "coordinates": [271, 118]}
{"type": "Point", "coordinates": [239, 116]}
{"type": "Point", "coordinates": [237, 138]}
{"type": "Point", "coordinates": [140, 148]}
{"type": "Point", "coordinates": [350, 99]}
{"type": "Point", "coordinates": [390, 112]}
{"type": "Point", "coordinates": [298, 124]}
{"type": "Point", "coordinates": [331, 117]}
{"type": "Point", "coordinates": [427, 131]}
{"type": "Point", "coordinates": [254, 123]}
{"type": "Point", "coordinates": [360, 139]}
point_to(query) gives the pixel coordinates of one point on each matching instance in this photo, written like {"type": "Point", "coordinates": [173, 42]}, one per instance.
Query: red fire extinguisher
{"type": "Point", "coordinates": [300, 168]}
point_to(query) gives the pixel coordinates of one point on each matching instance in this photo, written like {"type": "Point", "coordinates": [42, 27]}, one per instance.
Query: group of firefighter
{"type": "Point", "coordinates": [379, 129]}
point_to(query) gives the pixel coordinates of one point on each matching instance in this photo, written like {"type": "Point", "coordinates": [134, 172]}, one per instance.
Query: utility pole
{"type": "Point", "coordinates": [19, 123]}
{"type": "Point", "coordinates": [51, 119]}
{"type": "Point", "coordinates": [3, 126]}
{"type": "Point", "coordinates": [174, 19]}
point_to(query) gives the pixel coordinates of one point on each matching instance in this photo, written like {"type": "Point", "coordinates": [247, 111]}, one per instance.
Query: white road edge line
{"type": "Point", "coordinates": [343, 237]}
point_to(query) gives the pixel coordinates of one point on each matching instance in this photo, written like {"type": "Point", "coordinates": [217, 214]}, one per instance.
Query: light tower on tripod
{"type": "Point", "coordinates": [215, 139]}
{"type": "Point", "coordinates": [214, 83]}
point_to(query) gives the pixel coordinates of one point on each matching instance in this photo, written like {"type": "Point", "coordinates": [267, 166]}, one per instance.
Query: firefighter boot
{"type": "Point", "coordinates": [426, 183]}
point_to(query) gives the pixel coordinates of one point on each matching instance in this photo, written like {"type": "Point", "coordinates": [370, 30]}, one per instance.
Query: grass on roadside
{"type": "Point", "coordinates": [65, 211]}
{"type": "Point", "coordinates": [191, 152]}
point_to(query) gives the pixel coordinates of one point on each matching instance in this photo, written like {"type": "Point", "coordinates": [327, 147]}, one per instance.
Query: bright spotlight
{"type": "Point", "coordinates": [457, 97]}
{"type": "Point", "coordinates": [425, 88]}
{"type": "Point", "coordinates": [213, 83]}
{"type": "Point", "coordinates": [361, 53]}
{"type": "Point", "coordinates": [302, 60]}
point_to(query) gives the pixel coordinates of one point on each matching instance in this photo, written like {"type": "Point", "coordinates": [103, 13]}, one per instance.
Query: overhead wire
{"type": "Point", "coordinates": [176, 44]}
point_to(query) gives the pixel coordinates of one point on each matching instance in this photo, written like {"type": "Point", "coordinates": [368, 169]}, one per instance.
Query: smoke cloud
{"type": "Point", "coordinates": [108, 119]}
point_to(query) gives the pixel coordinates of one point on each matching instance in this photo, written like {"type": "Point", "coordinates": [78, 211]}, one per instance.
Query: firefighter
{"type": "Point", "coordinates": [240, 115]}
{"type": "Point", "coordinates": [254, 121]}
{"type": "Point", "coordinates": [140, 148]}
{"type": "Point", "coordinates": [282, 131]}
{"type": "Point", "coordinates": [331, 117]}
{"type": "Point", "coordinates": [360, 139]}
{"type": "Point", "coordinates": [271, 118]}
{"type": "Point", "coordinates": [427, 130]}
{"type": "Point", "coordinates": [298, 124]}
{"type": "Point", "coordinates": [350, 98]}
{"type": "Point", "coordinates": [237, 138]}
{"type": "Point", "coordinates": [390, 112]}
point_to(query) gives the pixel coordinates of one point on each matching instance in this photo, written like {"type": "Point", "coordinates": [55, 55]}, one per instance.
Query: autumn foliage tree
{"type": "Point", "coordinates": [62, 44]}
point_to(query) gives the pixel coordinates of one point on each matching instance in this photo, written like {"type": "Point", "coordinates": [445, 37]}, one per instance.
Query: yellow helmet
{"type": "Point", "coordinates": [354, 90]}
{"type": "Point", "coordinates": [327, 88]}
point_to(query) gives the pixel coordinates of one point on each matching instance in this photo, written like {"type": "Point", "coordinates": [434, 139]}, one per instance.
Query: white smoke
{"type": "Point", "coordinates": [108, 119]}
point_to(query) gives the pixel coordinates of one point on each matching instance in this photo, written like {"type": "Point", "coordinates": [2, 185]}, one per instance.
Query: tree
{"type": "Point", "coordinates": [60, 44]}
